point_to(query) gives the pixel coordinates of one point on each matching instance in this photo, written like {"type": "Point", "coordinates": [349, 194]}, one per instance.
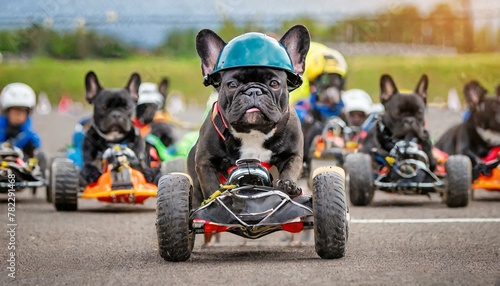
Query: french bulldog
{"type": "Point", "coordinates": [404, 118]}
{"type": "Point", "coordinates": [476, 135]}
{"type": "Point", "coordinates": [254, 103]}
{"type": "Point", "coordinates": [111, 124]}
{"type": "Point", "coordinates": [147, 114]}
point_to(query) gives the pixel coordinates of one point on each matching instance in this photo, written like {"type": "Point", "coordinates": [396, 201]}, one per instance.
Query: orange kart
{"type": "Point", "coordinates": [119, 183]}
{"type": "Point", "coordinates": [488, 173]}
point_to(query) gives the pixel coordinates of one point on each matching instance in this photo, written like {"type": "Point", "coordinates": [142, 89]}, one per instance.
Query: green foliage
{"type": "Point", "coordinates": [57, 77]}
{"type": "Point", "coordinates": [78, 44]}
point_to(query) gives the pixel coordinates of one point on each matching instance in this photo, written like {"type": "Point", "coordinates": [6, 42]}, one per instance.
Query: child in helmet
{"type": "Point", "coordinates": [150, 118]}
{"type": "Point", "coordinates": [17, 101]}
{"type": "Point", "coordinates": [360, 112]}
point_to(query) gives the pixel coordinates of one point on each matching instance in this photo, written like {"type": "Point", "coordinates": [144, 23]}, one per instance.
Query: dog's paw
{"type": "Point", "coordinates": [289, 187]}
{"type": "Point", "coordinates": [151, 175]}
{"type": "Point", "coordinates": [90, 173]}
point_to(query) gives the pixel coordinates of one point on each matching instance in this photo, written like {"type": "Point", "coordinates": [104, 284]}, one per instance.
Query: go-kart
{"type": "Point", "coordinates": [17, 174]}
{"type": "Point", "coordinates": [406, 171]}
{"type": "Point", "coordinates": [119, 182]}
{"type": "Point", "coordinates": [334, 143]}
{"type": "Point", "coordinates": [488, 173]}
{"type": "Point", "coordinates": [249, 206]}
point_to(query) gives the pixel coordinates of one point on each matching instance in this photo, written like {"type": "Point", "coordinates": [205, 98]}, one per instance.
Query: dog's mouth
{"type": "Point", "coordinates": [253, 109]}
{"type": "Point", "coordinates": [114, 133]}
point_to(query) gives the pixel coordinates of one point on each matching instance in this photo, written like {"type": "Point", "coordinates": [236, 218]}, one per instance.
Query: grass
{"type": "Point", "coordinates": [57, 78]}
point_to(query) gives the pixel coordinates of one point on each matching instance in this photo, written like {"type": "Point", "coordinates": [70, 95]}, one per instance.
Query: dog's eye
{"type": "Point", "coordinates": [274, 84]}
{"type": "Point", "coordinates": [232, 85]}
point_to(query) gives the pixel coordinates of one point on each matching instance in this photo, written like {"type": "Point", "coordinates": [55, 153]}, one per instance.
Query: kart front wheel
{"type": "Point", "coordinates": [173, 205]}
{"type": "Point", "coordinates": [64, 184]}
{"type": "Point", "coordinates": [331, 214]}
{"type": "Point", "coordinates": [458, 181]}
{"type": "Point", "coordinates": [48, 188]}
{"type": "Point", "coordinates": [359, 168]}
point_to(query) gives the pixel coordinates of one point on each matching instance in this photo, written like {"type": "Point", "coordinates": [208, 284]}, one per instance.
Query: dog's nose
{"type": "Point", "coordinates": [253, 92]}
{"type": "Point", "coordinates": [409, 120]}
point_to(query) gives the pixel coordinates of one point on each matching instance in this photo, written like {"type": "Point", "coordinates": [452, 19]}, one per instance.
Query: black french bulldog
{"type": "Point", "coordinates": [145, 114]}
{"type": "Point", "coordinates": [480, 132]}
{"type": "Point", "coordinates": [404, 118]}
{"type": "Point", "coordinates": [254, 103]}
{"type": "Point", "coordinates": [111, 123]}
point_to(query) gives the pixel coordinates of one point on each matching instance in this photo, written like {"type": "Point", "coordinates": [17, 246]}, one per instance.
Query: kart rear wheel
{"type": "Point", "coordinates": [176, 165]}
{"type": "Point", "coordinates": [331, 213]}
{"type": "Point", "coordinates": [64, 181]}
{"type": "Point", "coordinates": [458, 181]}
{"type": "Point", "coordinates": [173, 205]}
{"type": "Point", "coordinates": [359, 168]}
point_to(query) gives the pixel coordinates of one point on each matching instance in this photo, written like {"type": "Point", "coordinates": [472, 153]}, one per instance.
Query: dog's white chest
{"type": "Point", "coordinates": [252, 145]}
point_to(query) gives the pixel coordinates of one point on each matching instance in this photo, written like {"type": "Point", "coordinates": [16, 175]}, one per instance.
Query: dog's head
{"type": "Point", "coordinates": [152, 98]}
{"type": "Point", "coordinates": [404, 112]}
{"type": "Point", "coordinates": [113, 107]}
{"type": "Point", "coordinates": [484, 111]}
{"type": "Point", "coordinates": [253, 75]}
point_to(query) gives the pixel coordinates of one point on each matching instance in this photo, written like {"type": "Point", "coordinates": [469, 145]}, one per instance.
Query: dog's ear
{"type": "Point", "coordinates": [387, 88]}
{"type": "Point", "coordinates": [296, 41]}
{"type": "Point", "coordinates": [208, 45]}
{"type": "Point", "coordinates": [133, 86]}
{"type": "Point", "coordinates": [421, 89]}
{"type": "Point", "coordinates": [92, 86]}
{"type": "Point", "coordinates": [474, 94]}
{"type": "Point", "coordinates": [163, 87]}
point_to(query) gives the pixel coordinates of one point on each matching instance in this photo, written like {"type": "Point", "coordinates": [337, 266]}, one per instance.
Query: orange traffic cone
{"type": "Point", "coordinates": [65, 104]}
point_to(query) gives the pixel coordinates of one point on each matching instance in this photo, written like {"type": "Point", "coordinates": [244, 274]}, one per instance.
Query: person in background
{"type": "Point", "coordinates": [17, 101]}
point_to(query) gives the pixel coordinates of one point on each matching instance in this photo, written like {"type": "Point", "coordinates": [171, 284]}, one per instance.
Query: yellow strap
{"type": "Point", "coordinates": [218, 193]}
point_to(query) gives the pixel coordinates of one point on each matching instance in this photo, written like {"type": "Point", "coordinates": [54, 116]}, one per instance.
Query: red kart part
{"type": "Point", "coordinates": [211, 227]}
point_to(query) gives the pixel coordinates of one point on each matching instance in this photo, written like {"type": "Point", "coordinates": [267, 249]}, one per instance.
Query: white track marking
{"type": "Point", "coordinates": [425, 220]}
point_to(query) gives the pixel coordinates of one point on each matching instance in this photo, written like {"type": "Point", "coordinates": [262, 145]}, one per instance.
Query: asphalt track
{"type": "Point", "coordinates": [395, 241]}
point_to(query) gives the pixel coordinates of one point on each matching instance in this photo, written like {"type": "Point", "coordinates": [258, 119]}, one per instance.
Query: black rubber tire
{"type": "Point", "coordinates": [65, 185]}
{"type": "Point", "coordinates": [176, 165]}
{"type": "Point", "coordinates": [361, 189]}
{"type": "Point", "coordinates": [317, 163]}
{"type": "Point", "coordinates": [331, 223]}
{"type": "Point", "coordinates": [48, 188]}
{"type": "Point", "coordinates": [173, 205]}
{"type": "Point", "coordinates": [458, 181]}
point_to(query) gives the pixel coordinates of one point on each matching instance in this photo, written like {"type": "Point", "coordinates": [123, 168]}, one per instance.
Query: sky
{"type": "Point", "coordinates": [146, 23]}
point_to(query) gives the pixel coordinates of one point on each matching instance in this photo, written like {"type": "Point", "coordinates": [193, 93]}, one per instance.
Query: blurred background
{"type": "Point", "coordinates": [51, 44]}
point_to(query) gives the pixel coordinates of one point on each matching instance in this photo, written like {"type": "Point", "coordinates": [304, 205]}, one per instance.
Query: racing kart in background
{"type": "Point", "coordinates": [249, 206]}
{"type": "Point", "coordinates": [406, 171]}
{"type": "Point", "coordinates": [336, 141]}
{"type": "Point", "coordinates": [487, 173]}
{"type": "Point", "coordinates": [119, 182]}
{"type": "Point", "coordinates": [15, 173]}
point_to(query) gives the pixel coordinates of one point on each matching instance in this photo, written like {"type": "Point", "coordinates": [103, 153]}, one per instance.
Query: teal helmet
{"type": "Point", "coordinates": [254, 50]}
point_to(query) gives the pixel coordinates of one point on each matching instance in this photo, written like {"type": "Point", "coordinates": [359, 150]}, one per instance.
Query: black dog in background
{"type": "Point", "coordinates": [404, 118]}
{"type": "Point", "coordinates": [112, 124]}
{"type": "Point", "coordinates": [480, 132]}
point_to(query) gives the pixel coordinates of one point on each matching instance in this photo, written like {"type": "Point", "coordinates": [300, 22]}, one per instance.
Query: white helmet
{"type": "Point", "coordinates": [357, 100]}
{"type": "Point", "coordinates": [149, 93]}
{"type": "Point", "coordinates": [17, 95]}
